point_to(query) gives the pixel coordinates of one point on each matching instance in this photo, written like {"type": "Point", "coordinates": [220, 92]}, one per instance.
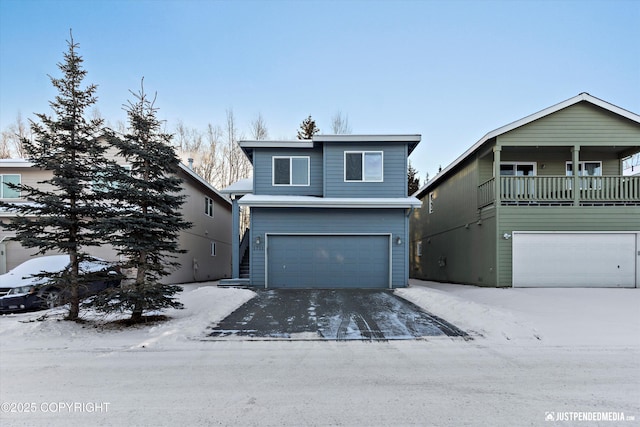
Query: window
{"type": "Point", "coordinates": [518, 187]}
{"type": "Point", "coordinates": [432, 198]}
{"type": "Point", "coordinates": [585, 168]}
{"type": "Point", "coordinates": [418, 248]}
{"type": "Point", "coordinates": [102, 183]}
{"type": "Point", "coordinates": [208, 206]}
{"type": "Point", "coordinates": [517, 169]}
{"type": "Point", "coordinates": [5, 191]}
{"type": "Point", "coordinates": [213, 248]}
{"type": "Point", "coordinates": [292, 171]}
{"type": "Point", "coordinates": [363, 166]}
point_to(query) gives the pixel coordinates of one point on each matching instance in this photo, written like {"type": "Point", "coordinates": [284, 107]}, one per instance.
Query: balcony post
{"type": "Point", "coordinates": [576, 181]}
{"type": "Point", "coordinates": [496, 173]}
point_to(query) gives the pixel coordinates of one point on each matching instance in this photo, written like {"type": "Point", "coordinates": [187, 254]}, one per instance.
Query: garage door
{"type": "Point", "coordinates": [328, 261]}
{"type": "Point", "coordinates": [575, 259]}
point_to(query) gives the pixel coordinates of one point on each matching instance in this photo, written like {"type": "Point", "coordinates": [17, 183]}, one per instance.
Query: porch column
{"type": "Point", "coordinates": [235, 237]}
{"type": "Point", "coordinates": [496, 173]}
{"type": "Point", "coordinates": [576, 182]}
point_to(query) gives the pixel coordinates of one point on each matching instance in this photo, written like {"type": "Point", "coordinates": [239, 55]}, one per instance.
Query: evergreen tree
{"type": "Point", "coordinates": [63, 212]}
{"type": "Point", "coordinates": [146, 219]}
{"type": "Point", "coordinates": [413, 181]}
{"type": "Point", "coordinates": [307, 129]}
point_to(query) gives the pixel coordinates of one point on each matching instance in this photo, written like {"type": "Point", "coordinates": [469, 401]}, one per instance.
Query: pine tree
{"type": "Point", "coordinates": [146, 219]}
{"type": "Point", "coordinates": [413, 181]}
{"type": "Point", "coordinates": [63, 212]}
{"type": "Point", "coordinates": [308, 128]}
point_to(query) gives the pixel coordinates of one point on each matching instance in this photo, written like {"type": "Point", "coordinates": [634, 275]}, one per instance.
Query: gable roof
{"type": "Point", "coordinates": [194, 176]}
{"type": "Point", "coordinates": [582, 97]}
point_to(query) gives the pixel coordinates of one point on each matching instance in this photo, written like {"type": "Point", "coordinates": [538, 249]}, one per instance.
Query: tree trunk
{"type": "Point", "coordinates": [74, 298]}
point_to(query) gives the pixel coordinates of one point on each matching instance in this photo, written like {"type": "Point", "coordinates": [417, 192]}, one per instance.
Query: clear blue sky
{"type": "Point", "coordinates": [449, 70]}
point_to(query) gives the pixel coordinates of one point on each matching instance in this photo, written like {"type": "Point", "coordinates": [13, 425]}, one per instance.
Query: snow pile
{"type": "Point", "coordinates": [477, 319]}
{"type": "Point", "coordinates": [205, 304]}
{"type": "Point", "coordinates": [560, 316]}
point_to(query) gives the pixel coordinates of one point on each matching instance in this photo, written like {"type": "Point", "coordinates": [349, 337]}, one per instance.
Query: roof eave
{"type": "Point", "coordinates": [526, 120]}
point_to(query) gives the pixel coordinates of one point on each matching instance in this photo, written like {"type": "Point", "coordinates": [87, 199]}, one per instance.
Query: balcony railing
{"type": "Point", "coordinates": [558, 190]}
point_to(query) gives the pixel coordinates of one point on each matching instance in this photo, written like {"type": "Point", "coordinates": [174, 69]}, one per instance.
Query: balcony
{"type": "Point", "coordinates": [558, 191]}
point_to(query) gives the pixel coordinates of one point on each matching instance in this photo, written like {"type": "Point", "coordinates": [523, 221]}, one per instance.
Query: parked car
{"type": "Point", "coordinates": [20, 291]}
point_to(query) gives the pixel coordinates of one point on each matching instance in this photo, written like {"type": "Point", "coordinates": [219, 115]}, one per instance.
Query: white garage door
{"type": "Point", "coordinates": [575, 259]}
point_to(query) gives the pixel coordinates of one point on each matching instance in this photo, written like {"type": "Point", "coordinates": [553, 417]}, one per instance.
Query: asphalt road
{"type": "Point", "coordinates": [332, 314]}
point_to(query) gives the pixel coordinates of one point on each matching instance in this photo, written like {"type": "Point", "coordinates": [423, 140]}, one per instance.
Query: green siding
{"type": "Point", "coordinates": [558, 218]}
{"type": "Point", "coordinates": [479, 254]}
{"type": "Point", "coordinates": [458, 243]}
{"type": "Point", "coordinates": [581, 124]}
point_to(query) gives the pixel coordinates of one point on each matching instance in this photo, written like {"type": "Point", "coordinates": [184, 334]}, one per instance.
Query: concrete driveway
{"type": "Point", "coordinates": [332, 314]}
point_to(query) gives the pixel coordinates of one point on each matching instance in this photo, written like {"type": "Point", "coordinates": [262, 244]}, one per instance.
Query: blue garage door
{"type": "Point", "coordinates": [328, 261]}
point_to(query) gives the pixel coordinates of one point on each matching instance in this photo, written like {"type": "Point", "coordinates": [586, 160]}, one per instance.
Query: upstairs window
{"type": "Point", "coordinates": [517, 169]}
{"type": "Point", "coordinates": [292, 171]}
{"type": "Point", "coordinates": [208, 206]}
{"type": "Point", "coordinates": [363, 166]}
{"type": "Point", "coordinates": [585, 168]}
{"type": "Point", "coordinates": [5, 191]}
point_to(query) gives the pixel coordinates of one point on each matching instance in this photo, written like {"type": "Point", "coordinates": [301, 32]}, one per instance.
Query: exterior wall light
{"type": "Point", "coordinates": [398, 241]}
{"type": "Point", "coordinates": [258, 240]}
{"type": "Point", "coordinates": [506, 236]}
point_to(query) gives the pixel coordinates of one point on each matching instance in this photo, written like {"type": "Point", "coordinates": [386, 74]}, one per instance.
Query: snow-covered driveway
{"type": "Point", "coordinates": [537, 353]}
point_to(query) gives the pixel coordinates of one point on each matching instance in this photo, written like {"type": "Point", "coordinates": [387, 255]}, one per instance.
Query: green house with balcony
{"type": "Point", "coordinates": [541, 202]}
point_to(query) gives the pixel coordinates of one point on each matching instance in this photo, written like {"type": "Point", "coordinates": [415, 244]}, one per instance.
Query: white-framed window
{"type": "Point", "coordinates": [585, 168]}
{"type": "Point", "coordinates": [518, 168]}
{"type": "Point", "coordinates": [363, 166]}
{"type": "Point", "coordinates": [290, 171]}
{"type": "Point", "coordinates": [208, 206]}
{"type": "Point", "coordinates": [5, 191]}
{"type": "Point", "coordinates": [213, 248]}
{"type": "Point", "coordinates": [432, 198]}
{"type": "Point", "coordinates": [522, 187]}
{"type": "Point", "coordinates": [418, 248]}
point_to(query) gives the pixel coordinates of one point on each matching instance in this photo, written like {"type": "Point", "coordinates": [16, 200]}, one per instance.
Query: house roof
{"type": "Point", "coordinates": [248, 146]}
{"type": "Point", "coordinates": [189, 172]}
{"type": "Point", "coordinates": [244, 186]}
{"type": "Point", "coordinates": [24, 163]}
{"type": "Point", "coordinates": [582, 97]}
{"type": "Point", "coordinates": [270, 201]}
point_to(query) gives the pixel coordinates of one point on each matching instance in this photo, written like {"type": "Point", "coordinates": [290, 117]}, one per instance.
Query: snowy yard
{"type": "Point", "coordinates": [536, 353]}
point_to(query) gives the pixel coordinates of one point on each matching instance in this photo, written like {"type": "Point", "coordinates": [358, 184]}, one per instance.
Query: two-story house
{"type": "Point", "coordinates": [331, 212]}
{"type": "Point", "coordinates": [207, 242]}
{"type": "Point", "coordinates": [542, 201]}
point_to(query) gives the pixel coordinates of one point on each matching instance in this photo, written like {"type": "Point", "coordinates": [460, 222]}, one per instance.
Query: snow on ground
{"type": "Point", "coordinates": [536, 353]}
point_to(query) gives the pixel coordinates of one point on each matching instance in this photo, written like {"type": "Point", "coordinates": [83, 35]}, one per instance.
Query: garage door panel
{"type": "Point", "coordinates": [328, 261]}
{"type": "Point", "coordinates": [574, 259]}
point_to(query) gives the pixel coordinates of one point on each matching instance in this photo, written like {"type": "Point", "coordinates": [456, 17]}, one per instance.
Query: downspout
{"type": "Point", "coordinates": [407, 249]}
{"type": "Point", "coordinates": [498, 202]}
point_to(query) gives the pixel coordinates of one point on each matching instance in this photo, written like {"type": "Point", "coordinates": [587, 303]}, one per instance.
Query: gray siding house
{"type": "Point", "coordinates": [331, 212]}
{"type": "Point", "coordinates": [542, 201]}
{"type": "Point", "coordinates": [207, 242]}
